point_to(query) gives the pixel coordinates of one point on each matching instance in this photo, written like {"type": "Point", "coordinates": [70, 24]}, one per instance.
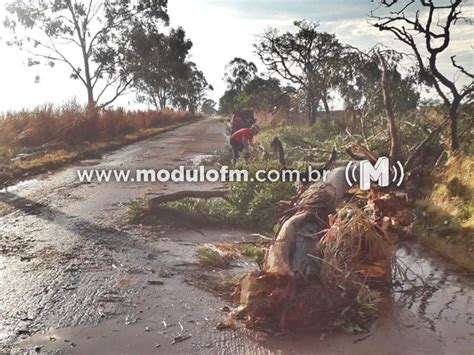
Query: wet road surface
{"type": "Point", "coordinates": [76, 277]}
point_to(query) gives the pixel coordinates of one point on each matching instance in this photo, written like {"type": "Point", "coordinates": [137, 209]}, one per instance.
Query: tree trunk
{"type": "Point", "coordinates": [315, 109]}
{"type": "Point", "coordinates": [90, 97]}
{"type": "Point", "coordinates": [363, 127]}
{"type": "Point", "coordinates": [417, 150]}
{"type": "Point", "coordinates": [163, 102]}
{"type": "Point", "coordinates": [155, 103]}
{"type": "Point", "coordinates": [311, 118]}
{"type": "Point", "coordinates": [81, 30]}
{"type": "Point", "coordinates": [453, 124]}
{"type": "Point", "coordinates": [152, 96]}
{"type": "Point", "coordinates": [288, 254]}
{"type": "Point", "coordinates": [279, 151]}
{"type": "Point", "coordinates": [175, 196]}
{"type": "Point", "coordinates": [326, 105]}
{"type": "Point", "coordinates": [310, 115]}
{"type": "Point", "coordinates": [392, 128]}
{"type": "Point", "coordinates": [87, 72]}
{"type": "Point", "coordinates": [312, 104]}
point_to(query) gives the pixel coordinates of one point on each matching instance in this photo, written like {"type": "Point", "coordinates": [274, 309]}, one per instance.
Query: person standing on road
{"type": "Point", "coordinates": [242, 139]}
{"type": "Point", "coordinates": [236, 123]}
{"type": "Point", "coordinates": [242, 119]}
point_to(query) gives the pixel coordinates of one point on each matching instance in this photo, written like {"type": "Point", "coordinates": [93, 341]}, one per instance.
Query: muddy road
{"type": "Point", "coordinates": [76, 277]}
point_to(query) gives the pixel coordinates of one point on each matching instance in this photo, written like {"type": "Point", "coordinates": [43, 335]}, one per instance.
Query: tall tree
{"type": "Point", "coordinates": [232, 100]}
{"type": "Point", "coordinates": [239, 73]}
{"type": "Point", "coordinates": [98, 30]}
{"type": "Point", "coordinates": [410, 20]}
{"type": "Point", "coordinates": [192, 89]}
{"type": "Point", "coordinates": [208, 107]}
{"type": "Point", "coordinates": [371, 83]}
{"type": "Point", "coordinates": [158, 63]}
{"type": "Point", "coordinates": [388, 105]}
{"type": "Point", "coordinates": [264, 94]}
{"type": "Point", "coordinates": [307, 58]}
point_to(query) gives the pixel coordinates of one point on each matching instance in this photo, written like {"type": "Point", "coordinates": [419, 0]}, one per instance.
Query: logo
{"type": "Point", "coordinates": [380, 173]}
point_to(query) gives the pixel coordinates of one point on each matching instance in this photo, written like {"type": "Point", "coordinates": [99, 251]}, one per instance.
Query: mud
{"type": "Point", "coordinates": [75, 277]}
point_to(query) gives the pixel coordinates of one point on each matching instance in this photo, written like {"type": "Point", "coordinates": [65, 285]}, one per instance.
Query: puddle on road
{"type": "Point", "coordinates": [20, 186]}
{"type": "Point", "coordinates": [86, 163]}
{"type": "Point", "coordinates": [440, 299]}
{"type": "Point", "coordinates": [199, 158]}
{"type": "Point", "coordinates": [430, 311]}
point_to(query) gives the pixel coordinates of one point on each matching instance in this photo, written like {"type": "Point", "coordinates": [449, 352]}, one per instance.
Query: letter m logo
{"type": "Point", "coordinates": [379, 173]}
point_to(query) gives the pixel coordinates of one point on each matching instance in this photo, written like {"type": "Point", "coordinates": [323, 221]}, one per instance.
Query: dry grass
{"type": "Point", "coordinates": [355, 252]}
{"type": "Point", "coordinates": [72, 124]}
{"type": "Point", "coordinates": [354, 246]}
{"type": "Point", "coordinates": [48, 136]}
{"type": "Point", "coordinates": [445, 220]}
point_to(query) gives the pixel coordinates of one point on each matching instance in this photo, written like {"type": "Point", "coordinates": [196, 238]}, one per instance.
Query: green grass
{"type": "Point", "coordinates": [136, 208]}
{"type": "Point", "coordinates": [249, 204]}
{"type": "Point", "coordinates": [253, 251]}
{"type": "Point", "coordinates": [209, 257]}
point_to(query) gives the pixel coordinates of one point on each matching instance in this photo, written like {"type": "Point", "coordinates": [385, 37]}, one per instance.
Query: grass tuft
{"type": "Point", "coordinates": [211, 256]}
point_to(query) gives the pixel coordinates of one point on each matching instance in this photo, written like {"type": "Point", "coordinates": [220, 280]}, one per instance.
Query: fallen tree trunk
{"type": "Point", "coordinates": [288, 254]}
{"type": "Point", "coordinates": [175, 196]}
{"type": "Point", "coordinates": [179, 216]}
{"type": "Point", "coordinates": [417, 150]}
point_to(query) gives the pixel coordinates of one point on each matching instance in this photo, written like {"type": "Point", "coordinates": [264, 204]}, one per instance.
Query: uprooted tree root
{"type": "Point", "coordinates": [274, 303]}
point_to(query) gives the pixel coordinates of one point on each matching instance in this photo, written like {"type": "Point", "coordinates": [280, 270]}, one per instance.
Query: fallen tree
{"type": "Point", "coordinates": [315, 271]}
{"type": "Point", "coordinates": [175, 196]}
{"type": "Point", "coordinates": [157, 208]}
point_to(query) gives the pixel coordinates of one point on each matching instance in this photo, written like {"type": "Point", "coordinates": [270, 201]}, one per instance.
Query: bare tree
{"type": "Point", "coordinates": [410, 19]}
{"type": "Point", "coordinates": [49, 29]}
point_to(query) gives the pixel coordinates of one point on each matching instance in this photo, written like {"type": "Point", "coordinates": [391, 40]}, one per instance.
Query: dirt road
{"type": "Point", "coordinates": [76, 277]}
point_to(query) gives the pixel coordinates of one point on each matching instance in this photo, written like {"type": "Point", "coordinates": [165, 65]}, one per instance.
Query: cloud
{"type": "Point", "coordinates": [222, 30]}
{"type": "Point", "coordinates": [316, 10]}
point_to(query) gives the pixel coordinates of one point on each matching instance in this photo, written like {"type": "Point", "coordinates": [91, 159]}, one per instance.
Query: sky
{"type": "Point", "coordinates": [220, 31]}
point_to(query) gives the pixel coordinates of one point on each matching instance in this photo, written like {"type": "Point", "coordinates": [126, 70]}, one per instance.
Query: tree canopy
{"type": "Point", "coordinates": [239, 73]}
{"type": "Point", "coordinates": [100, 31]}
{"type": "Point", "coordinates": [307, 58]}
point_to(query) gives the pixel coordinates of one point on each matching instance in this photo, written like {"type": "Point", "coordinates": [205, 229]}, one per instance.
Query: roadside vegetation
{"type": "Point", "coordinates": [357, 243]}
{"type": "Point", "coordinates": [47, 137]}
{"type": "Point", "coordinates": [445, 216]}
{"type": "Point", "coordinates": [383, 111]}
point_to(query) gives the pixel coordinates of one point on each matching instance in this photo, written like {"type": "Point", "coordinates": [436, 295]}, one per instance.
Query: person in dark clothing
{"type": "Point", "coordinates": [242, 119]}
{"type": "Point", "coordinates": [241, 140]}
{"type": "Point", "coordinates": [236, 123]}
